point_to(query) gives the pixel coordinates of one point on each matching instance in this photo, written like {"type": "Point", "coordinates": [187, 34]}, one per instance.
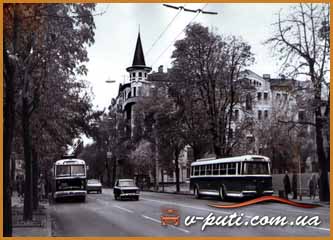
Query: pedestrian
{"type": "Point", "coordinates": [286, 183]}
{"type": "Point", "coordinates": [294, 185]}
{"type": "Point", "coordinates": [313, 186]}
{"type": "Point", "coordinates": [22, 186]}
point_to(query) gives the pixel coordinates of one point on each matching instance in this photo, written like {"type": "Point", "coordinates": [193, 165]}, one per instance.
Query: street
{"type": "Point", "coordinates": [101, 215]}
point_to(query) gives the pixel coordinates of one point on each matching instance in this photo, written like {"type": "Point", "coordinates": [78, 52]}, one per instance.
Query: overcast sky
{"type": "Point", "coordinates": [117, 29]}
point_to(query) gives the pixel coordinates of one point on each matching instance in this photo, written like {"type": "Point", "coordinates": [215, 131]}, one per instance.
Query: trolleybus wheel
{"type": "Point", "coordinates": [222, 193]}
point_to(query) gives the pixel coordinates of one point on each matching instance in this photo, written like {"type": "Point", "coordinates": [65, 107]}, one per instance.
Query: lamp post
{"type": "Point", "coordinates": [110, 151]}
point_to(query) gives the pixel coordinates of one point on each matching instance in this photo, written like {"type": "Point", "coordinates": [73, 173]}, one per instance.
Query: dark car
{"type": "Point", "coordinates": [126, 188]}
{"type": "Point", "coordinates": [94, 185]}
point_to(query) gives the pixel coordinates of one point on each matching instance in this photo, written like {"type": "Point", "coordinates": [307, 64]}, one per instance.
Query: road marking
{"type": "Point", "coordinates": [324, 229]}
{"type": "Point", "coordinates": [124, 209]}
{"type": "Point", "coordinates": [180, 229]}
{"type": "Point", "coordinates": [159, 222]}
{"type": "Point", "coordinates": [152, 219]}
{"type": "Point", "coordinates": [186, 206]}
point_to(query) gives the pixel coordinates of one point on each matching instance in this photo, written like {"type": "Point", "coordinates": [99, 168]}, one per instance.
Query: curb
{"type": "Point", "coordinates": [48, 221]}
{"type": "Point", "coordinates": [175, 193]}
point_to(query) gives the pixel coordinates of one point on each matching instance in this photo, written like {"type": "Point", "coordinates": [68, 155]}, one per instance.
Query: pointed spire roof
{"type": "Point", "coordinates": [139, 58]}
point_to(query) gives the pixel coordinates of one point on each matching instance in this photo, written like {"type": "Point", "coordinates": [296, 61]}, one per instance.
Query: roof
{"type": "Point", "coordinates": [70, 161]}
{"type": "Point", "coordinates": [230, 159]}
{"type": "Point", "coordinates": [139, 58]}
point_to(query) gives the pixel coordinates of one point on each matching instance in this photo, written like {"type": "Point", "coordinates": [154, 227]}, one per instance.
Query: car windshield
{"type": "Point", "coordinates": [253, 168]}
{"type": "Point", "coordinates": [127, 183]}
{"type": "Point", "coordinates": [93, 181]}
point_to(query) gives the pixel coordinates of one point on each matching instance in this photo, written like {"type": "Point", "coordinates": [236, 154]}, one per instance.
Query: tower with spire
{"type": "Point", "coordinates": [138, 86]}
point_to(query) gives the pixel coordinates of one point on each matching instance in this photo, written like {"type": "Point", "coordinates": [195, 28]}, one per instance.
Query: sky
{"type": "Point", "coordinates": [117, 29]}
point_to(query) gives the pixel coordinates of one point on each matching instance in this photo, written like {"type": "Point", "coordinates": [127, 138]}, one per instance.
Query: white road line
{"type": "Point", "coordinates": [124, 209]}
{"type": "Point", "coordinates": [152, 219]}
{"type": "Point", "coordinates": [180, 229]}
{"type": "Point", "coordinates": [186, 206]}
{"type": "Point", "coordinates": [159, 222]}
{"type": "Point", "coordinates": [324, 229]}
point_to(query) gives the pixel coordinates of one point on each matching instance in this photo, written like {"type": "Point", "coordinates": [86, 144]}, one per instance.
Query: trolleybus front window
{"type": "Point", "coordinates": [77, 170]}
{"type": "Point", "coordinates": [63, 171]}
{"type": "Point", "coordinates": [253, 168]}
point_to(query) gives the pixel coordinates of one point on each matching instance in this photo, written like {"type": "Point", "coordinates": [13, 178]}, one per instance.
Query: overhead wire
{"type": "Point", "coordinates": [174, 40]}
{"type": "Point", "coordinates": [165, 29]}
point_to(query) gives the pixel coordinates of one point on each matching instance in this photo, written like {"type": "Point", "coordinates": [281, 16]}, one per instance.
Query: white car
{"type": "Point", "coordinates": [94, 185]}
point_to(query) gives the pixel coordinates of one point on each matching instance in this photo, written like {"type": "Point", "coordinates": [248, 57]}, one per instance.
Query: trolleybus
{"type": "Point", "coordinates": [241, 176]}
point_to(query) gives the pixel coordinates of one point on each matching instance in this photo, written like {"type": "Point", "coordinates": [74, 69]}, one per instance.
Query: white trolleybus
{"type": "Point", "coordinates": [69, 179]}
{"type": "Point", "coordinates": [241, 176]}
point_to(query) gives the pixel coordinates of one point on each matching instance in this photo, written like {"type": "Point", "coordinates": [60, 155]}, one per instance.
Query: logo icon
{"type": "Point", "coordinates": [170, 216]}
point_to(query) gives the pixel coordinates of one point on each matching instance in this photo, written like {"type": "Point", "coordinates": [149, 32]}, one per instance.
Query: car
{"type": "Point", "coordinates": [94, 185]}
{"type": "Point", "coordinates": [126, 188]}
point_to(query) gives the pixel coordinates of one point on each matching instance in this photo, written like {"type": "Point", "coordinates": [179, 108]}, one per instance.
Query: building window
{"type": "Point", "coordinates": [259, 114]}
{"type": "Point", "coordinates": [236, 115]}
{"type": "Point", "coordinates": [259, 96]}
{"type": "Point", "coordinates": [248, 102]}
{"type": "Point", "coordinates": [133, 74]}
{"type": "Point", "coordinates": [285, 96]}
{"type": "Point", "coordinates": [266, 114]}
{"type": "Point", "coordinates": [139, 91]}
{"type": "Point", "coordinates": [301, 115]}
{"type": "Point", "coordinates": [278, 95]}
{"type": "Point", "coordinates": [140, 74]}
{"type": "Point", "coordinates": [134, 91]}
{"type": "Point", "coordinates": [145, 74]}
{"type": "Point", "coordinates": [265, 96]}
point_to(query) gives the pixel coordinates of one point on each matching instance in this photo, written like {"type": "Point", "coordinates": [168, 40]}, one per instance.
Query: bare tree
{"type": "Point", "coordinates": [301, 41]}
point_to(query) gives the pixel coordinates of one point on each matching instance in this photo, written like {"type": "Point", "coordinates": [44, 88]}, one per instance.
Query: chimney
{"type": "Point", "coordinates": [266, 76]}
{"type": "Point", "coordinates": [160, 69]}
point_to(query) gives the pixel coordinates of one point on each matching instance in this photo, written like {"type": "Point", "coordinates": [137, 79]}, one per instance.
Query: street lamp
{"type": "Point", "coordinates": [109, 153]}
{"type": "Point", "coordinates": [110, 81]}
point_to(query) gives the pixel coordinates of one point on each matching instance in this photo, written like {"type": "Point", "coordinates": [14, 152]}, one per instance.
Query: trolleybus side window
{"type": "Point", "coordinates": [239, 165]}
{"type": "Point", "coordinates": [196, 171]}
{"type": "Point", "coordinates": [202, 170]}
{"type": "Point", "coordinates": [231, 168]}
{"type": "Point", "coordinates": [223, 169]}
{"type": "Point", "coordinates": [209, 169]}
{"type": "Point", "coordinates": [215, 169]}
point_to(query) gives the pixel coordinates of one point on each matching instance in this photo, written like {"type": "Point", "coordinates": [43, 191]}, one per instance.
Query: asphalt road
{"type": "Point", "coordinates": [101, 215]}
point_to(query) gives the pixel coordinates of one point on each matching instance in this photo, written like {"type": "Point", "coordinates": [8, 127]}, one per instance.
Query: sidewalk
{"type": "Point", "coordinates": [39, 226]}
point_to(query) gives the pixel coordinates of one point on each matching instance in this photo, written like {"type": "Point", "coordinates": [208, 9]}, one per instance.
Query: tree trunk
{"type": "Point", "coordinates": [27, 211]}
{"type": "Point", "coordinates": [34, 179]}
{"type": "Point", "coordinates": [162, 176]}
{"type": "Point", "coordinates": [114, 170]}
{"type": "Point", "coordinates": [324, 191]}
{"type": "Point", "coordinates": [177, 170]}
{"type": "Point", "coordinates": [8, 134]}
